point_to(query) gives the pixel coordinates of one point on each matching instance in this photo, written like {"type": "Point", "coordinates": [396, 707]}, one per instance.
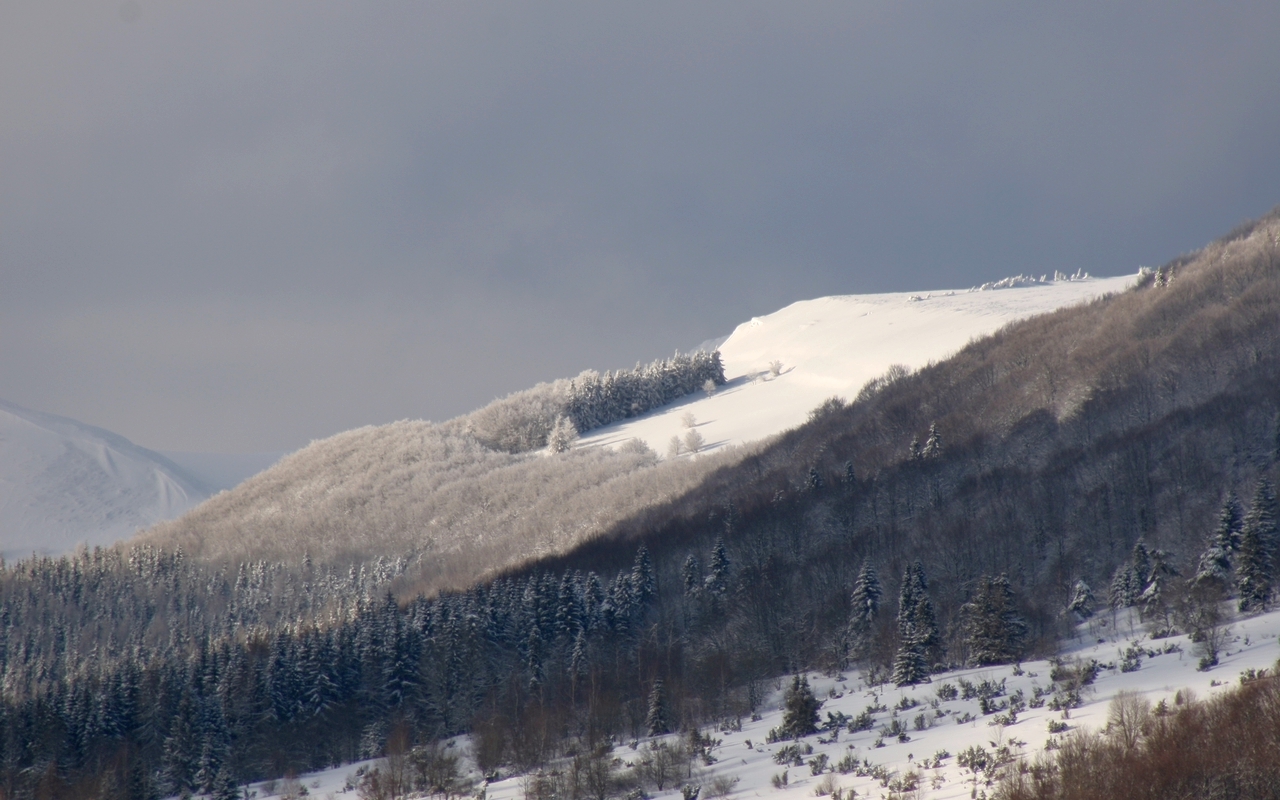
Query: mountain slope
{"type": "Point", "coordinates": [456, 509]}
{"type": "Point", "coordinates": [63, 483]}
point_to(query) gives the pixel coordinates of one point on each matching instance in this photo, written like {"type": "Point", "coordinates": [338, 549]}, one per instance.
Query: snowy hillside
{"type": "Point", "coordinates": [938, 729]}
{"type": "Point", "coordinates": [63, 483]}
{"type": "Point", "coordinates": [834, 345]}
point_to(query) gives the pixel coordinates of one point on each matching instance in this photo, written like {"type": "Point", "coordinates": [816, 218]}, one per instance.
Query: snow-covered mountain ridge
{"type": "Point", "coordinates": [835, 345]}
{"type": "Point", "coordinates": [63, 483]}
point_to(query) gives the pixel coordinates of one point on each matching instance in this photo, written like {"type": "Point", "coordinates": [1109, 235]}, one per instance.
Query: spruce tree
{"type": "Point", "coordinates": [656, 721]}
{"type": "Point", "coordinates": [864, 605]}
{"type": "Point", "coordinates": [917, 629]}
{"type": "Point", "coordinates": [1257, 539]}
{"type": "Point", "coordinates": [933, 444]}
{"type": "Point", "coordinates": [994, 631]}
{"type": "Point", "coordinates": [800, 709]}
{"type": "Point", "coordinates": [718, 580]}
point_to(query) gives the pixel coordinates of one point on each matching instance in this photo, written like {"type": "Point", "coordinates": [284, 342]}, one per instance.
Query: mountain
{"type": "Point", "coordinates": [64, 483]}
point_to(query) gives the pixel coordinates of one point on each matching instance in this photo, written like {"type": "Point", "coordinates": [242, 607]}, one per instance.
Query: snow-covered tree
{"type": "Point", "coordinates": [864, 604]}
{"type": "Point", "coordinates": [933, 444]}
{"type": "Point", "coordinates": [1257, 542]}
{"type": "Point", "coordinates": [1081, 603]}
{"type": "Point", "coordinates": [917, 629]}
{"type": "Point", "coordinates": [562, 436]}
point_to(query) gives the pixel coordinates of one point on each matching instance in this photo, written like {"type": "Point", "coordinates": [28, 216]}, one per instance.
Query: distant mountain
{"type": "Point", "coordinates": [63, 483]}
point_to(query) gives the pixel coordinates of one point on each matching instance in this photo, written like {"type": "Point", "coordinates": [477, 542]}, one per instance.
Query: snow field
{"type": "Point", "coordinates": [948, 726]}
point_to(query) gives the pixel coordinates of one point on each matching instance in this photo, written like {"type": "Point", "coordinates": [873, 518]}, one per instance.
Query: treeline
{"type": "Point", "coordinates": [524, 420]}
{"type": "Point", "coordinates": [594, 400]}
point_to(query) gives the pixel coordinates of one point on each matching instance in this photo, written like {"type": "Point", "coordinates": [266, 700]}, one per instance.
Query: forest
{"type": "Point", "coordinates": [965, 513]}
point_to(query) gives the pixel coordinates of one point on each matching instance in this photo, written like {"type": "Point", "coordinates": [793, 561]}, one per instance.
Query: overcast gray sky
{"type": "Point", "coordinates": [238, 226]}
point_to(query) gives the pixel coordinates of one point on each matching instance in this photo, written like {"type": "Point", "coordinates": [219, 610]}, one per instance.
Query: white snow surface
{"type": "Point", "coordinates": [745, 755]}
{"type": "Point", "coordinates": [833, 346]}
{"type": "Point", "coordinates": [64, 483]}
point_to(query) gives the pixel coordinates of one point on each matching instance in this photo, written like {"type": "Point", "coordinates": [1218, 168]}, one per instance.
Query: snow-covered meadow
{"type": "Point", "coordinates": [937, 728]}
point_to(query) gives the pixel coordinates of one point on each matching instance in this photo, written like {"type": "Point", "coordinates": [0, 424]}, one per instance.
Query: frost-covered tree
{"type": "Point", "coordinates": [814, 483]}
{"type": "Point", "coordinates": [674, 447]}
{"type": "Point", "coordinates": [562, 436]}
{"type": "Point", "coordinates": [693, 440]}
{"type": "Point", "coordinates": [1257, 542]}
{"type": "Point", "coordinates": [913, 449]}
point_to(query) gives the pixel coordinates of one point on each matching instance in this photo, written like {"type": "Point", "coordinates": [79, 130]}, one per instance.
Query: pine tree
{"type": "Point", "coordinates": [994, 631]}
{"type": "Point", "coordinates": [913, 449]}
{"type": "Point", "coordinates": [656, 722]}
{"type": "Point", "coordinates": [800, 709]}
{"type": "Point", "coordinates": [1257, 541]}
{"type": "Point", "coordinates": [814, 483]}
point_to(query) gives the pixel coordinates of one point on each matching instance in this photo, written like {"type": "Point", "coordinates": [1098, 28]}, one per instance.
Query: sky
{"type": "Point", "coordinates": [240, 226]}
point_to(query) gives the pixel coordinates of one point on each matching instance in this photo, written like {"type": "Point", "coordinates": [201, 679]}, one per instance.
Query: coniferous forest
{"type": "Point", "coordinates": [966, 513]}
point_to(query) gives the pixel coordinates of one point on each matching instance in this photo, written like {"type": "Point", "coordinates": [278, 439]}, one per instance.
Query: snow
{"type": "Point", "coordinates": [64, 483]}
{"type": "Point", "coordinates": [834, 345]}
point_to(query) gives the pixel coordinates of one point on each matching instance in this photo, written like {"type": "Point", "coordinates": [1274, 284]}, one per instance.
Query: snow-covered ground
{"type": "Point", "coordinates": [946, 728]}
{"type": "Point", "coordinates": [63, 483]}
{"type": "Point", "coordinates": [833, 346]}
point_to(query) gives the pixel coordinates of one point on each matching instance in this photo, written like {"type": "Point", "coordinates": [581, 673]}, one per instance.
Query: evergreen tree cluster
{"type": "Point", "coordinates": [594, 400]}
